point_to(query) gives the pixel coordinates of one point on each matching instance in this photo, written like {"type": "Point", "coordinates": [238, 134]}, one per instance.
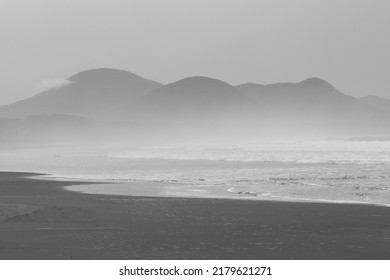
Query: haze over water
{"type": "Point", "coordinates": [330, 171]}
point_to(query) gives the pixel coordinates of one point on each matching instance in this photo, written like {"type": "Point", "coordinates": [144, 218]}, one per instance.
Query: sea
{"type": "Point", "coordinates": [334, 171]}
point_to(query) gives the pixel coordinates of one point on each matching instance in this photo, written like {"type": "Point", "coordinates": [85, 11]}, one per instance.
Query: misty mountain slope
{"type": "Point", "coordinates": [42, 130]}
{"type": "Point", "coordinates": [309, 100]}
{"type": "Point", "coordinates": [377, 102]}
{"type": "Point", "coordinates": [91, 93]}
{"type": "Point", "coordinates": [191, 99]}
{"type": "Point", "coordinates": [197, 106]}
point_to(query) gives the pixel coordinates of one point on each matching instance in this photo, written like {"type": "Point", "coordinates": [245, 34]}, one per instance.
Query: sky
{"type": "Point", "coordinates": [345, 42]}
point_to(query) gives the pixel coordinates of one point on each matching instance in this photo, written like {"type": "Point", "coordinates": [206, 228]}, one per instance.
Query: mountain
{"type": "Point", "coordinates": [308, 100]}
{"type": "Point", "coordinates": [91, 93]}
{"type": "Point", "coordinates": [377, 102]}
{"type": "Point", "coordinates": [132, 108]}
{"type": "Point", "coordinates": [209, 106]}
{"type": "Point", "coordinates": [193, 99]}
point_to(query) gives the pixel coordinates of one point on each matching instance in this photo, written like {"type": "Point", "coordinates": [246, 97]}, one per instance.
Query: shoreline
{"type": "Point", "coordinates": [97, 189]}
{"type": "Point", "coordinates": [89, 184]}
{"type": "Point", "coordinates": [72, 225]}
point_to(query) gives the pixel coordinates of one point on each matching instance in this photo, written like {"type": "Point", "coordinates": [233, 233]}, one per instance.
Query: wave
{"type": "Point", "coordinates": [340, 154]}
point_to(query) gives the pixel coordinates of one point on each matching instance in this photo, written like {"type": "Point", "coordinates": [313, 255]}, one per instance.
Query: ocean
{"type": "Point", "coordinates": [337, 171]}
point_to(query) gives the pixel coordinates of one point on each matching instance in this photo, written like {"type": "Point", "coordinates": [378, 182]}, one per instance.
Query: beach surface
{"type": "Point", "coordinates": [40, 219]}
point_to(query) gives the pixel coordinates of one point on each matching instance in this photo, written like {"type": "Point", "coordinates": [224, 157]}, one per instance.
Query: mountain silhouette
{"type": "Point", "coordinates": [308, 100]}
{"type": "Point", "coordinates": [188, 100]}
{"type": "Point", "coordinates": [377, 102]}
{"type": "Point", "coordinates": [195, 106]}
{"type": "Point", "coordinates": [91, 93]}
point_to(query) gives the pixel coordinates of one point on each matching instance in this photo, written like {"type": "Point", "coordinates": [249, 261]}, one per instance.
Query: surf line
{"type": "Point", "coordinates": [233, 190]}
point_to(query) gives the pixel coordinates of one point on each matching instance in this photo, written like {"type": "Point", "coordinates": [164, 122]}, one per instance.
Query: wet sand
{"type": "Point", "coordinates": [41, 220]}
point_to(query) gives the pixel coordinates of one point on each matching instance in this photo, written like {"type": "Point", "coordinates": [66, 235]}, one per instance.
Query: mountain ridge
{"type": "Point", "coordinates": [377, 102]}
{"type": "Point", "coordinates": [119, 95]}
{"type": "Point", "coordinates": [189, 99]}
{"type": "Point", "coordinates": [91, 93]}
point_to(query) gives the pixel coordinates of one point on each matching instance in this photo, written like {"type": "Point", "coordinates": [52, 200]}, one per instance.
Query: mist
{"type": "Point", "coordinates": [108, 106]}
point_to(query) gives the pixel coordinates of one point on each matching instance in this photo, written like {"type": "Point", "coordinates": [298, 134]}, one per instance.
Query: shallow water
{"type": "Point", "coordinates": [335, 171]}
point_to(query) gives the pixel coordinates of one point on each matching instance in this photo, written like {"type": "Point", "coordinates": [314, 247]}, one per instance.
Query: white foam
{"type": "Point", "coordinates": [328, 171]}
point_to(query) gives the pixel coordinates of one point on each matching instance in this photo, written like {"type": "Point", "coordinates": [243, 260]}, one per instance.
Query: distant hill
{"type": "Point", "coordinates": [91, 93]}
{"type": "Point", "coordinates": [193, 99]}
{"type": "Point", "coordinates": [202, 99]}
{"type": "Point", "coordinates": [115, 104]}
{"type": "Point", "coordinates": [309, 100]}
{"type": "Point", "coordinates": [377, 102]}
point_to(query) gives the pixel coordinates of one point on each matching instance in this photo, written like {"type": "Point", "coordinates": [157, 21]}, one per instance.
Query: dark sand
{"type": "Point", "coordinates": [43, 221]}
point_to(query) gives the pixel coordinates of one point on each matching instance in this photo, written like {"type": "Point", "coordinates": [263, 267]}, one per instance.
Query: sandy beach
{"type": "Point", "coordinates": [40, 219]}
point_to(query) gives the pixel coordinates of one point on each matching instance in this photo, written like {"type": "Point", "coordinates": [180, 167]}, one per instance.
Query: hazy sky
{"type": "Point", "coordinates": [345, 42]}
